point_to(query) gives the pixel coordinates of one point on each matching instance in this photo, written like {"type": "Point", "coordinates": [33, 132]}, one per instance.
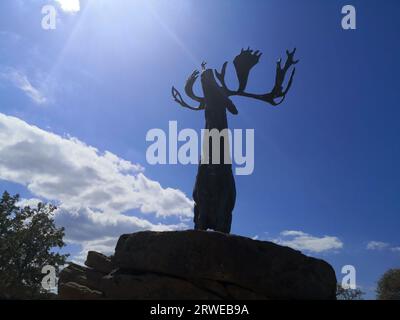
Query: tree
{"type": "Point", "coordinates": [348, 294]}
{"type": "Point", "coordinates": [28, 238]}
{"type": "Point", "coordinates": [389, 285]}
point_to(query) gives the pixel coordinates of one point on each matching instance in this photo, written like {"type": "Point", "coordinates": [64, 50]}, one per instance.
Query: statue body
{"type": "Point", "coordinates": [214, 192]}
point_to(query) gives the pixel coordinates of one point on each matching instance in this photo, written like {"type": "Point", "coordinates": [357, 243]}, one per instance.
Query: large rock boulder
{"type": "Point", "coordinates": [99, 262]}
{"type": "Point", "coordinates": [198, 265]}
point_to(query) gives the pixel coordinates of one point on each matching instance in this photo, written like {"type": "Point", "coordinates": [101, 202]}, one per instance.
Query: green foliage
{"type": "Point", "coordinates": [28, 237]}
{"type": "Point", "coordinates": [348, 294]}
{"type": "Point", "coordinates": [389, 285]}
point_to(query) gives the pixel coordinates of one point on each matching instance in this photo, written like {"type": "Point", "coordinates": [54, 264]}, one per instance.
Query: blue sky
{"type": "Point", "coordinates": [326, 160]}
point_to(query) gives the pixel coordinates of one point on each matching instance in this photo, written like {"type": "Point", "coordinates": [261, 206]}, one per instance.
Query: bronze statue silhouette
{"type": "Point", "coordinates": [214, 192]}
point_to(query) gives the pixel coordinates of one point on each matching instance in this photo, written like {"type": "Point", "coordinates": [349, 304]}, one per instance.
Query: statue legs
{"type": "Point", "coordinates": [214, 195]}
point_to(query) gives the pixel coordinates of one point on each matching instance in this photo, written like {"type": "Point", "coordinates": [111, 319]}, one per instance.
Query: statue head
{"type": "Point", "coordinates": [243, 63]}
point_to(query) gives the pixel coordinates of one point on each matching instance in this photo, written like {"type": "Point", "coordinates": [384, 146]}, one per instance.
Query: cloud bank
{"type": "Point", "coordinates": [92, 189]}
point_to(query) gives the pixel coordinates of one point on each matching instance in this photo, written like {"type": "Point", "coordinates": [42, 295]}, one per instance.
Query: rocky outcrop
{"type": "Point", "coordinates": [198, 265]}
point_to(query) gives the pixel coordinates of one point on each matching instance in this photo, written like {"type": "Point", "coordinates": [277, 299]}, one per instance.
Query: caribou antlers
{"type": "Point", "coordinates": [245, 61]}
{"type": "Point", "coordinates": [243, 64]}
{"type": "Point", "coordinates": [189, 91]}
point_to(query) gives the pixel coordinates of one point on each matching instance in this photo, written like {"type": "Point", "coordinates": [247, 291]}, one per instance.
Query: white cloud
{"type": "Point", "coordinates": [377, 245]}
{"type": "Point", "coordinates": [85, 224]}
{"type": "Point", "coordinates": [302, 241]}
{"type": "Point", "coordinates": [92, 189]}
{"type": "Point", "coordinates": [100, 232]}
{"type": "Point", "coordinates": [68, 170]}
{"type": "Point", "coordinates": [294, 233]}
{"type": "Point", "coordinates": [33, 202]}
{"type": "Point", "coordinates": [70, 6]}
{"type": "Point", "coordinates": [21, 81]}
{"type": "Point", "coordinates": [105, 246]}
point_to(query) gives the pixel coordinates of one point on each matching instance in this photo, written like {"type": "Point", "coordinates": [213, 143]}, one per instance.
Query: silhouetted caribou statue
{"type": "Point", "coordinates": [214, 191]}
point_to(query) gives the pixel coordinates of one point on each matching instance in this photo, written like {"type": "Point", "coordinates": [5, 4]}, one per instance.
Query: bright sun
{"type": "Point", "coordinates": [69, 5]}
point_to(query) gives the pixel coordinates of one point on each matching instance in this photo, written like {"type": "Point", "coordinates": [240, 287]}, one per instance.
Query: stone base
{"type": "Point", "coordinates": [198, 265]}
